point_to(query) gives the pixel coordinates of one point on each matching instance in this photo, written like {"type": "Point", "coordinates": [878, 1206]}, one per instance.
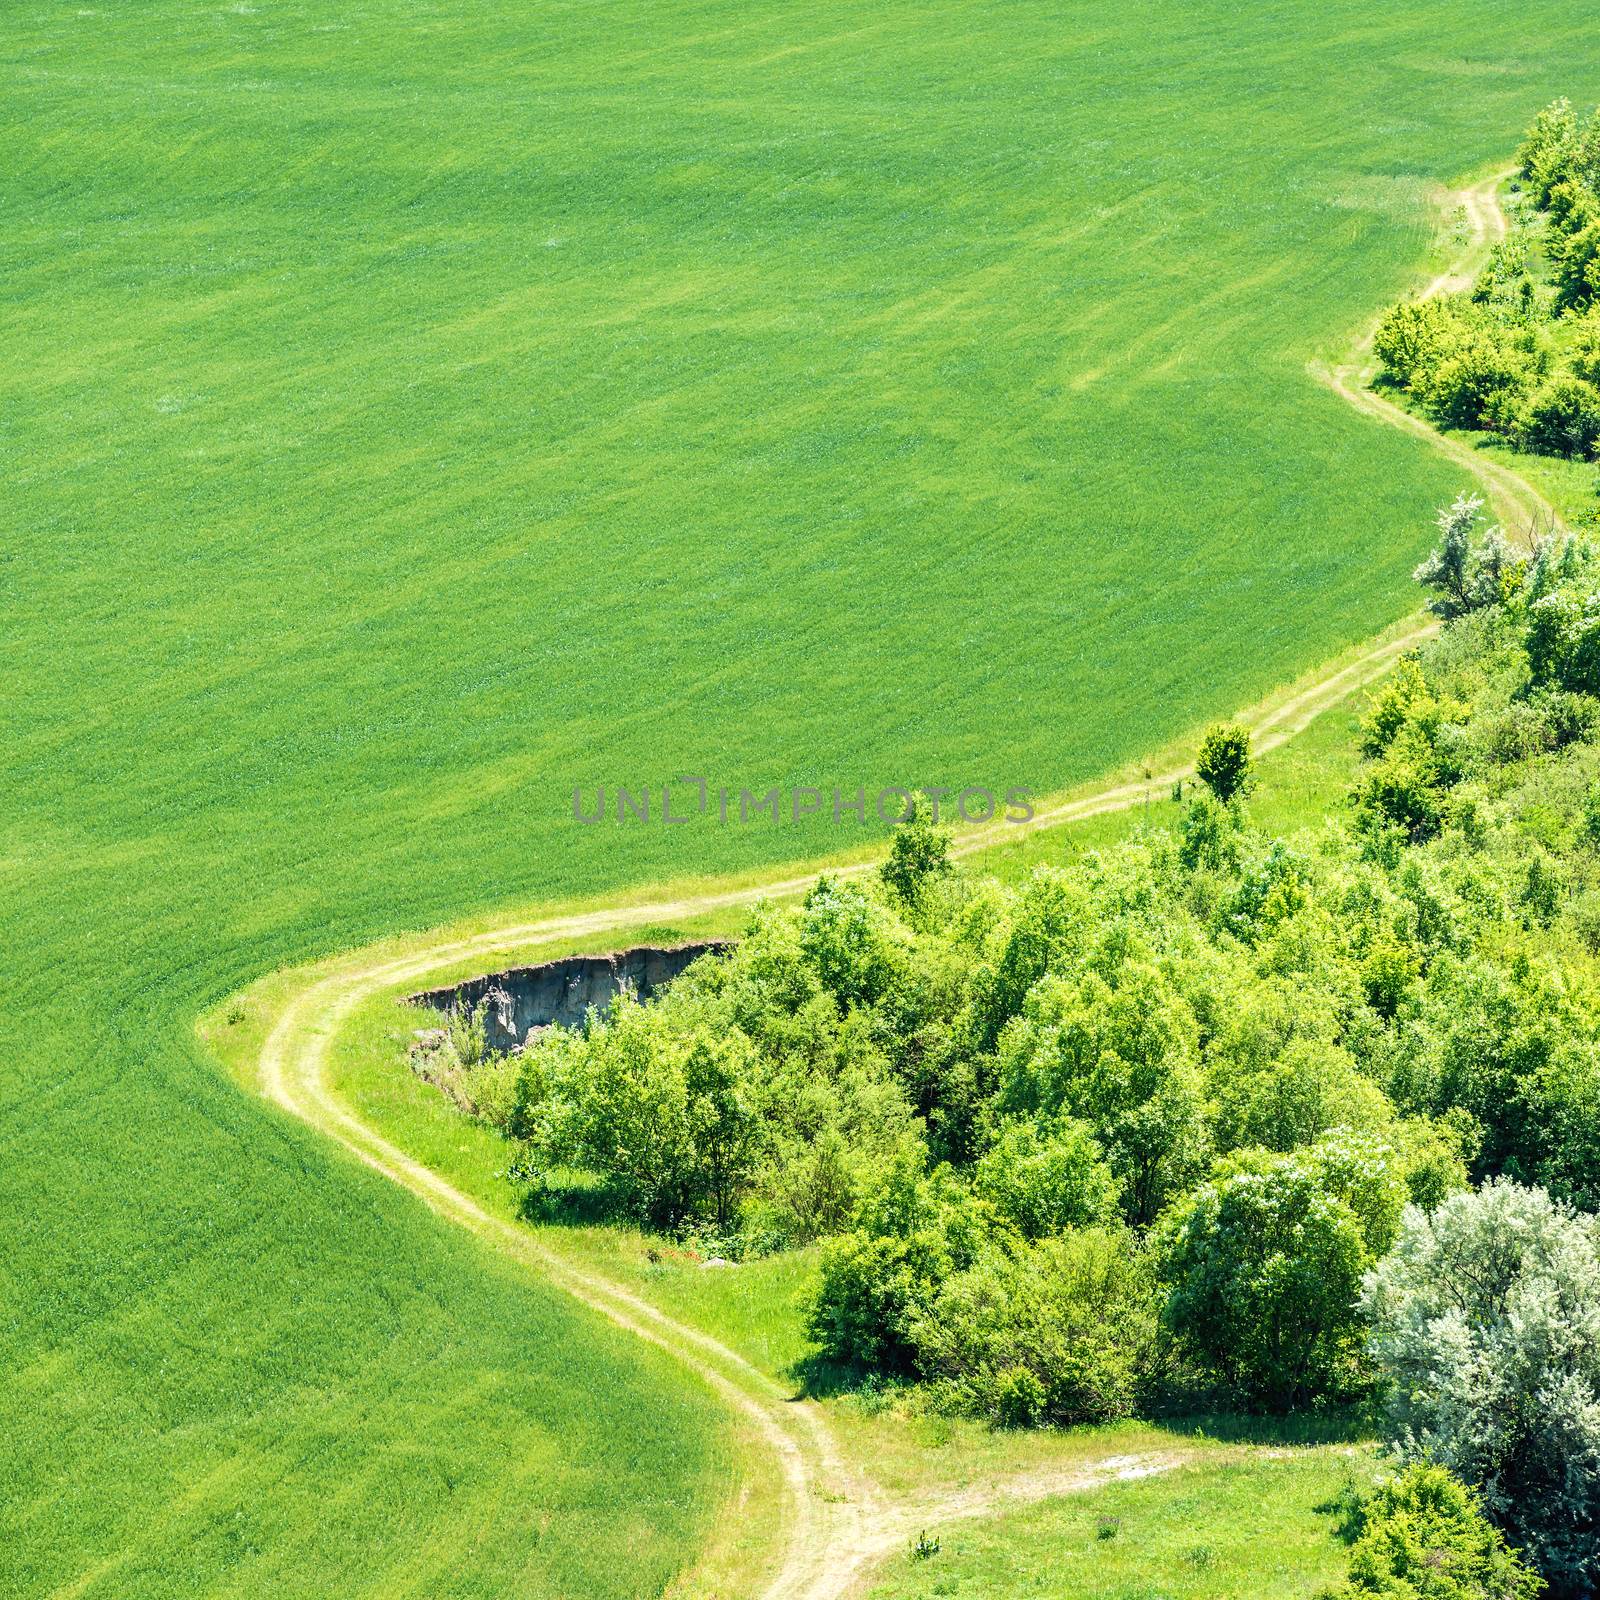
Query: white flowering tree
{"type": "Point", "coordinates": [1486, 1317]}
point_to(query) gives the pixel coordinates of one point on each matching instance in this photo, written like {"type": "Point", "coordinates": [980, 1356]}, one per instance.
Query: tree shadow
{"type": "Point", "coordinates": [1348, 1509]}
{"type": "Point", "coordinates": [574, 1202]}
{"type": "Point", "coordinates": [817, 1378]}
{"type": "Point", "coordinates": [1352, 1424]}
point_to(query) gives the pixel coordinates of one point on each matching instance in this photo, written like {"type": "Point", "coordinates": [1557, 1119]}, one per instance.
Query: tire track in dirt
{"type": "Point", "coordinates": [1516, 501]}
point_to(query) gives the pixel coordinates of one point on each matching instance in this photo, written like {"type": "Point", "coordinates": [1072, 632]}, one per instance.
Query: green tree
{"type": "Point", "coordinates": [1123, 1057]}
{"type": "Point", "coordinates": [1387, 975]}
{"type": "Point", "coordinates": [1310, 1089]}
{"type": "Point", "coordinates": [1049, 924]}
{"type": "Point", "coordinates": [919, 853]}
{"type": "Point", "coordinates": [1563, 418]}
{"type": "Point", "coordinates": [1479, 384]}
{"type": "Point", "coordinates": [1400, 695]}
{"type": "Point", "coordinates": [1545, 156]}
{"type": "Point", "coordinates": [1577, 271]}
{"type": "Point", "coordinates": [657, 1101]}
{"type": "Point", "coordinates": [854, 943]}
{"type": "Point", "coordinates": [1047, 1181]}
{"type": "Point", "coordinates": [1583, 354]}
{"type": "Point", "coordinates": [1263, 1266]}
{"type": "Point", "coordinates": [1223, 764]}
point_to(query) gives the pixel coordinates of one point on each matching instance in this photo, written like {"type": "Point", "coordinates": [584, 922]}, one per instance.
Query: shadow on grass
{"type": "Point", "coordinates": [817, 1378]}
{"type": "Point", "coordinates": [1353, 1424]}
{"type": "Point", "coordinates": [574, 1202]}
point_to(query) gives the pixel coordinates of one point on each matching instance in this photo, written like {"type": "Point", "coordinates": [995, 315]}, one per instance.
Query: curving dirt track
{"type": "Point", "coordinates": [837, 1524]}
{"type": "Point", "coordinates": [1515, 500]}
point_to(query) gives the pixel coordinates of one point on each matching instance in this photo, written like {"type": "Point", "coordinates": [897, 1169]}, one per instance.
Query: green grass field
{"type": "Point", "coordinates": [1233, 1531]}
{"type": "Point", "coordinates": [412, 411]}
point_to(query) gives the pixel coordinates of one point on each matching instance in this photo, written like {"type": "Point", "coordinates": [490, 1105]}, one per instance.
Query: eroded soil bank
{"type": "Point", "coordinates": [521, 1000]}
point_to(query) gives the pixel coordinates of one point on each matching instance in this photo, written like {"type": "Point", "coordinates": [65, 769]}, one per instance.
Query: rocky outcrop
{"type": "Point", "coordinates": [558, 993]}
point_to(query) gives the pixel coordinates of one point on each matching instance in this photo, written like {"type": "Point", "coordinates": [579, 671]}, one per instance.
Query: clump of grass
{"type": "Point", "coordinates": [925, 1548]}
{"type": "Point", "coordinates": [1107, 1527]}
{"type": "Point", "coordinates": [468, 1034]}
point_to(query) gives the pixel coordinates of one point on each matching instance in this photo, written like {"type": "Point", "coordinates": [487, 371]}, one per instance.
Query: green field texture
{"type": "Point", "coordinates": [410, 411]}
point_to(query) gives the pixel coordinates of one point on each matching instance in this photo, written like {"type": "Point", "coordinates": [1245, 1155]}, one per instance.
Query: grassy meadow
{"type": "Point", "coordinates": [1220, 1531]}
{"type": "Point", "coordinates": [412, 411]}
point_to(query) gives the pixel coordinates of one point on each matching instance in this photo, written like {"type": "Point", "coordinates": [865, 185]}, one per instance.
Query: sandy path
{"type": "Point", "coordinates": [1516, 502]}
{"type": "Point", "coordinates": [837, 1524]}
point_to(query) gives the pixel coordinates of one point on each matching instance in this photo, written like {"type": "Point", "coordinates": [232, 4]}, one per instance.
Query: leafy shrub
{"type": "Point", "coordinates": [1546, 153]}
{"type": "Point", "coordinates": [1562, 640]}
{"type": "Point", "coordinates": [1487, 1319]}
{"type": "Point", "coordinates": [1122, 1056]}
{"type": "Point", "coordinates": [1208, 833]}
{"type": "Point", "coordinates": [1047, 1180]}
{"type": "Point", "coordinates": [1404, 792]}
{"type": "Point", "coordinates": [1264, 1265]}
{"type": "Point", "coordinates": [1424, 1537]}
{"type": "Point", "coordinates": [868, 1295]}
{"type": "Point", "coordinates": [1563, 418]}
{"type": "Point", "coordinates": [1060, 1332]}
{"type": "Point", "coordinates": [1387, 974]}
{"type": "Point", "coordinates": [1413, 337]}
{"type": "Point", "coordinates": [919, 853]}
{"type": "Point", "coordinates": [1577, 267]}
{"type": "Point", "coordinates": [1479, 384]}
{"type": "Point", "coordinates": [853, 943]}
{"type": "Point", "coordinates": [663, 1111]}
{"type": "Point", "coordinates": [1223, 764]}
{"type": "Point", "coordinates": [1584, 354]}
{"type": "Point", "coordinates": [1395, 700]}
{"type": "Point", "coordinates": [467, 1032]}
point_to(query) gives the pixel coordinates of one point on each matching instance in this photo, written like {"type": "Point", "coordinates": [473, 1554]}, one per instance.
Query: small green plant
{"type": "Point", "coordinates": [1223, 765]}
{"type": "Point", "coordinates": [467, 1034]}
{"type": "Point", "coordinates": [1107, 1527]}
{"type": "Point", "coordinates": [925, 1548]}
{"type": "Point", "coordinates": [1202, 1557]}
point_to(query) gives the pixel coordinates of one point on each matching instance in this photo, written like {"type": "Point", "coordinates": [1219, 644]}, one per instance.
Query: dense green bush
{"type": "Point", "coordinates": [1548, 148]}
{"type": "Point", "coordinates": [1223, 764]}
{"type": "Point", "coordinates": [1479, 383]}
{"type": "Point", "coordinates": [1060, 1332]}
{"type": "Point", "coordinates": [1486, 1318]}
{"type": "Point", "coordinates": [1583, 354]}
{"type": "Point", "coordinates": [1577, 266]}
{"type": "Point", "coordinates": [1424, 1537]}
{"type": "Point", "coordinates": [1264, 1266]}
{"type": "Point", "coordinates": [919, 854]}
{"type": "Point", "coordinates": [1563, 419]}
